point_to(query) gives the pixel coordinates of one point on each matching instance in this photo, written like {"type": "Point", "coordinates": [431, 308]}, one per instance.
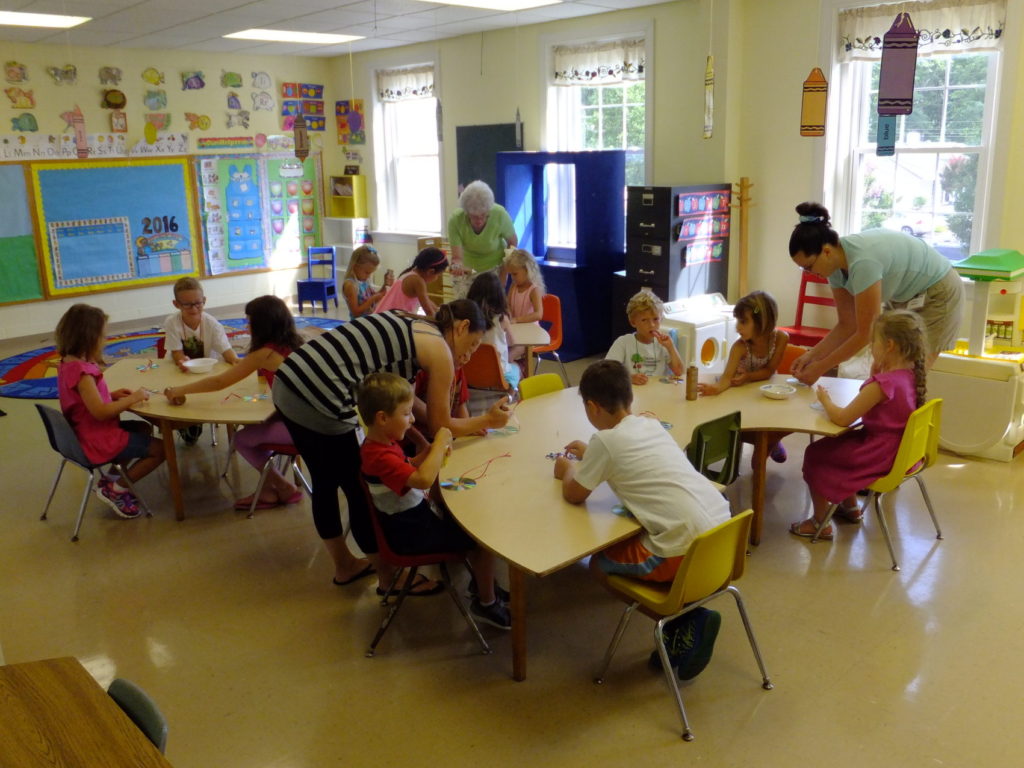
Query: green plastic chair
{"type": "Point", "coordinates": [716, 441]}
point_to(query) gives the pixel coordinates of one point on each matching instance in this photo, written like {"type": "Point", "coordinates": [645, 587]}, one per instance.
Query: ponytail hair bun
{"type": "Point", "coordinates": [813, 230]}
{"type": "Point", "coordinates": [460, 309]}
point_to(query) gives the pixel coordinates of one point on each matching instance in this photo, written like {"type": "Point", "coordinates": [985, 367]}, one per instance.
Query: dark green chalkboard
{"type": "Point", "coordinates": [476, 147]}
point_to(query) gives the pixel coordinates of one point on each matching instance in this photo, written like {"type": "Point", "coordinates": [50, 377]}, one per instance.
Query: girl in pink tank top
{"type": "Point", "coordinates": [409, 291]}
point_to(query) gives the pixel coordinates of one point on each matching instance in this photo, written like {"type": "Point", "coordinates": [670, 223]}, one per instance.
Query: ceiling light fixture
{"type": "Point", "coordinates": [500, 5]}
{"type": "Point", "coordinates": [285, 36]}
{"type": "Point", "coordinates": [15, 19]}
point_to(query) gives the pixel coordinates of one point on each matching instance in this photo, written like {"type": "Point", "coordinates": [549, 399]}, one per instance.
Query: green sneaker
{"type": "Point", "coordinates": [706, 631]}
{"type": "Point", "coordinates": [680, 636]}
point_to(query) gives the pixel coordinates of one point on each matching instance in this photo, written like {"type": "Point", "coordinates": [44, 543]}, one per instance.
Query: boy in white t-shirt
{"type": "Point", "coordinates": [190, 332]}
{"type": "Point", "coordinates": [647, 351]}
{"type": "Point", "coordinates": [655, 481]}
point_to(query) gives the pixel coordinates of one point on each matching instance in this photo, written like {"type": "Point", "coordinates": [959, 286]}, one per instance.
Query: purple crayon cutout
{"type": "Point", "coordinates": [899, 63]}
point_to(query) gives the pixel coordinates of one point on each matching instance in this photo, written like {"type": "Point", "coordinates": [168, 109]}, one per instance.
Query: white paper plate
{"type": "Point", "coordinates": [816, 405]}
{"type": "Point", "coordinates": [778, 391]}
{"type": "Point", "coordinates": [200, 365]}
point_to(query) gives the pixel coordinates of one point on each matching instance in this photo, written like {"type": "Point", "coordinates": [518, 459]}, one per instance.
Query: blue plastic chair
{"type": "Point", "coordinates": [314, 289]}
{"type": "Point", "coordinates": [141, 710]}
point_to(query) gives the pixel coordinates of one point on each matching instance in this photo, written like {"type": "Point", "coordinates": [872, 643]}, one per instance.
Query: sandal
{"type": "Point", "coordinates": [849, 514]}
{"type": "Point", "coordinates": [807, 529]}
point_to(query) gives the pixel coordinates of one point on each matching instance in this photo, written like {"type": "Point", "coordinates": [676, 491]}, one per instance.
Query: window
{"type": "Point", "coordinates": [407, 151]}
{"type": "Point", "coordinates": [596, 100]}
{"type": "Point", "coordinates": [934, 185]}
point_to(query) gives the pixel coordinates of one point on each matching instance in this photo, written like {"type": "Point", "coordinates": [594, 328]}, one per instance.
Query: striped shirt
{"type": "Point", "coordinates": [316, 384]}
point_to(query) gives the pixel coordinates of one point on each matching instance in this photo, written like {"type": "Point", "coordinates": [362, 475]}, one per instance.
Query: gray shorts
{"type": "Point", "coordinates": [942, 311]}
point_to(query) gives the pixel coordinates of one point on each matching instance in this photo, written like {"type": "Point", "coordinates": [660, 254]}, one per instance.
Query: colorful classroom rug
{"type": "Point", "coordinates": [33, 374]}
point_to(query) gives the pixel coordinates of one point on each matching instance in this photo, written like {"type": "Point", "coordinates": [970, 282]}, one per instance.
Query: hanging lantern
{"type": "Point", "coordinates": [899, 64]}
{"type": "Point", "coordinates": [301, 135]}
{"type": "Point", "coordinates": [812, 106]}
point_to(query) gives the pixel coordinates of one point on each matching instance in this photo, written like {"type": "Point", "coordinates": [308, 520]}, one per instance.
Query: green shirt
{"type": "Point", "coordinates": [905, 265]}
{"type": "Point", "coordinates": [485, 250]}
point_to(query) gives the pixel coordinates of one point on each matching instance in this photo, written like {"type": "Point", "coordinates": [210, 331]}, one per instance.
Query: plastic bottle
{"type": "Point", "coordinates": [691, 382]}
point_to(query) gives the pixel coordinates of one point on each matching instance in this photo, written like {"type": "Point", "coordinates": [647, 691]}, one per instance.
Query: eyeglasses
{"type": "Point", "coordinates": [810, 267]}
{"type": "Point", "coordinates": [191, 304]}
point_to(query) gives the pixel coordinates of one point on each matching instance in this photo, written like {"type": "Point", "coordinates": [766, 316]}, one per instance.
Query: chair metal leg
{"type": "Point", "coordinates": [928, 503]}
{"type": "Point", "coordinates": [259, 486]}
{"type": "Point", "coordinates": [670, 675]}
{"type": "Point", "coordinates": [392, 610]}
{"type": "Point", "coordinates": [213, 435]}
{"type": "Point", "coordinates": [565, 375]}
{"type": "Point", "coordinates": [766, 682]}
{"type": "Point", "coordinates": [824, 523]}
{"type": "Point", "coordinates": [614, 644]}
{"type": "Point", "coordinates": [300, 476]}
{"type": "Point", "coordinates": [53, 488]}
{"type": "Point", "coordinates": [446, 579]}
{"type": "Point", "coordinates": [877, 498]}
{"type": "Point", "coordinates": [85, 502]}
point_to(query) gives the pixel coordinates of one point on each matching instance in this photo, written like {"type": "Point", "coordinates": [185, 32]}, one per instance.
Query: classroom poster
{"type": "Point", "coordinates": [19, 267]}
{"type": "Point", "coordinates": [351, 121]}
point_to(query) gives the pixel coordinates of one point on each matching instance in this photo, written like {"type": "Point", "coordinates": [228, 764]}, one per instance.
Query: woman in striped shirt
{"type": "Point", "coordinates": [315, 393]}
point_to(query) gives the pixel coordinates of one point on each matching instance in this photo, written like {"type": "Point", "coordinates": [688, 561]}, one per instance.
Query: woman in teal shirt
{"type": "Point", "coordinates": [868, 270]}
{"type": "Point", "coordinates": [480, 230]}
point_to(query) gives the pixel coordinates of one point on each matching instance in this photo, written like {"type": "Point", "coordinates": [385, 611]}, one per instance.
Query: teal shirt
{"type": "Point", "coordinates": [485, 250]}
{"type": "Point", "coordinates": [906, 265]}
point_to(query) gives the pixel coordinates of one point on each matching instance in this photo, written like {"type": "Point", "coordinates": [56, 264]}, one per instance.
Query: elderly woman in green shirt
{"type": "Point", "coordinates": [866, 271]}
{"type": "Point", "coordinates": [480, 230]}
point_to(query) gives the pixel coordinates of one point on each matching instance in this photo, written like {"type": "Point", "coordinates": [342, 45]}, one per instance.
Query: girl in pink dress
{"type": "Point", "coordinates": [94, 411]}
{"type": "Point", "coordinates": [524, 297]}
{"type": "Point", "coordinates": [836, 467]}
{"type": "Point", "coordinates": [409, 291]}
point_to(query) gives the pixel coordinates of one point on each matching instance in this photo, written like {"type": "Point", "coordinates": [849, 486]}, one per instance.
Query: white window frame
{"type": "Point", "coordinates": [386, 190]}
{"type": "Point", "coordinates": [833, 164]}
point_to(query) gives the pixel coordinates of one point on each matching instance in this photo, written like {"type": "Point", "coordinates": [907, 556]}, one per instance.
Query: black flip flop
{"type": "Point", "coordinates": [420, 579]}
{"type": "Point", "coordinates": [369, 569]}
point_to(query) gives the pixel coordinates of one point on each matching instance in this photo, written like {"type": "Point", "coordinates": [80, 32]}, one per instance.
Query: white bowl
{"type": "Point", "coordinates": [778, 391]}
{"type": "Point", "coordinates": [200, 365]}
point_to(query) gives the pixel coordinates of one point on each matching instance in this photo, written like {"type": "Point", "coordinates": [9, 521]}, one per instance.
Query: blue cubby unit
{"type": "Point", "coordinates": [582, 276]}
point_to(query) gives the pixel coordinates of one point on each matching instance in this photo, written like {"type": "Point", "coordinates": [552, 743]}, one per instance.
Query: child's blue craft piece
{"type": "Point", "coordinates": [621, 511]}
{"type": "Point", "coordinates": [253, 398]}
{"type": "Point", "coordinates": [458, 484]}
{"type": "Point", "coordinates": [508, 429]}
{"type": "Point", "coordinates": [556, 454]}
{"type": "Point", "coordinates": [666, 424]}
{"type": "Point", "coordinates": [147, 366]}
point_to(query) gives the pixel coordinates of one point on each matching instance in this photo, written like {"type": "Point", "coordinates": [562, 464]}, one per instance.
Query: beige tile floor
{"type": "Point", "coordinates": [257, 660]}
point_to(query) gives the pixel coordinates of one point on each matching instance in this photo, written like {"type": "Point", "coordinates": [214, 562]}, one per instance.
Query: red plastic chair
{"type": "Point", "coordinates": [808, 335]}
{"type": "Point", "coordinates": [551, 307]}
{"type": "Point", "coordinates": [413, 563]}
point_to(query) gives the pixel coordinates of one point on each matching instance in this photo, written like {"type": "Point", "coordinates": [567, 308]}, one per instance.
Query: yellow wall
{"type": "Point", "coordinates": [763, 51]}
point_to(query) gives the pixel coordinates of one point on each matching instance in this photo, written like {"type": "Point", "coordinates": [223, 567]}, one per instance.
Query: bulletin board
{"type": "Point", "coordinates": [115, 224]}
{"type": "Point", "coordinates": [19, 262]}
{"type": "Point", "coordinates": [258, 211]}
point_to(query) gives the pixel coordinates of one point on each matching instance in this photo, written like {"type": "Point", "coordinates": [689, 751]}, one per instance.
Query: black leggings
{"type": "Point", "coordinates": [333, 462]}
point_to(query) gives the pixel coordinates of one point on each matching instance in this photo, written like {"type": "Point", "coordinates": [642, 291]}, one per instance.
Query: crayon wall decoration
{"type": "Point", "coordinates": [709, 97]}
{"type": "Point", "coordinates": [886, 136]}
{"type": "Point", "coordinates": [812, 106]}
{"type": "Point", "coordinates": [899, 63]}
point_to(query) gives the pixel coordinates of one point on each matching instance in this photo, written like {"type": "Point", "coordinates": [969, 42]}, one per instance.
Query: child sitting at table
{"type": "Point", "coordinates": [360, 294]}
{"type": "Point", "coordinates": [486, 291]}
{"type": "Point", "coordinates": [93, 410]}
{"type": "Point", "coordinates": [273, 338]}
{"type": "Point", "coordinates": [755, 355]}
{"type": "Point", "coordinates": [836, 467]}
{"type": "Point", "coordinates": [647, 351]}
{"type": "Point", "coordinates": [525, 296]}
{"type": "Point", "coordinates": [409, 291]}
{"type": "Point", "coordinates": [411, 522]}
{"type": "Point", "coordinates": [191, 333]}
{"type": "Point", "coordinates": [656, 483]}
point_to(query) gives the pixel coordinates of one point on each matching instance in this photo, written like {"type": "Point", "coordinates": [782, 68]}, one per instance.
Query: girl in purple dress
{"type": "Point", "coordinates": [835, 467]}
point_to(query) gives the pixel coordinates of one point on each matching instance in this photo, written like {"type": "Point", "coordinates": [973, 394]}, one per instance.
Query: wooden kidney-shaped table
{"type": "Point", "coordinates": [52, 713]}
{"type": "Point", "coordinates": [243, 403]}
{"type": "Point", "coordinates": [516, 509]}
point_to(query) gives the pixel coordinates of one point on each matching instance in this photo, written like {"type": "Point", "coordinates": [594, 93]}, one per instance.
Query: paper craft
{"type": "Point", "coordinates": [192, 81]}
{"type": "Point", "coordinates": [230, 79]}
{"type": "Point", "coordinates": [709, 97]}
{"type": "Point", "coordinates": [812, 106]}
{"type": "Point", "coordinates": [458, 484]}
{"type": "Point", "coordinates": [557, 454]}
{"type": "Point", "coordinates": [886, 136]}
{"type": "Point", "coordinates": [899, 64]}
{"type": "Point", "coordinates": [15, 72]}
{"type": "Point", "coordinates": [110, 75]}
{"type": "Point", "coordinates": [67, 74]}
{"type": "Point", "coordinates": [147, 366]}
{"type": "Point", "coordinates": [153, 76]}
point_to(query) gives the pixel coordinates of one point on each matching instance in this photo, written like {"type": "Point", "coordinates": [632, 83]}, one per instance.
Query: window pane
{"type": "Point", "coordinates": [589, 97]}
{"type": "Point", "coordinates": [969, 70]}
{"type": "Point", "coordinates": [417, 134]}
{"type": "Point", "coordinates": [635, 169]}
{"type": "Point", "coordinates": [612, 94]}
{"type": "Point", "coordinates": [611, 128]}
{"type": "Point", "coordinates": [924, 124]}
{"type": "Point", "coordinates": [964, 116]}
{"type": "Point", "coordinates": [930, 72]}
{"type": "Point", "coordinates": [591, 129]}
{"type": "Point", "coordinates": [635, 128]}
{"type": "Point", "coordinates": [958, 180]}
{"type": "Point", "coordinates": [635, 93]}
{"type": "Point", "coordinates": [419, 208]}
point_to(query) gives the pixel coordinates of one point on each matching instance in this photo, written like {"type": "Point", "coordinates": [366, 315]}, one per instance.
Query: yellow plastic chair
{"type": "Point", "coordinates": [715, 560]}
{"type": "Point", "coordinates": [535, 386]}
{"type": "Point", "coordinates": [918, 451]}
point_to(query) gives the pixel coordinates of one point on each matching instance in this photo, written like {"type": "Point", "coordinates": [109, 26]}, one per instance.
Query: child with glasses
{"type": "Point", "coordinates": [191, 333]}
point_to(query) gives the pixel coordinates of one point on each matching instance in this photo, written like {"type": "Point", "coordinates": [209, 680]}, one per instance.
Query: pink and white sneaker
{"type": "Point", "coordinates": [123, 503]}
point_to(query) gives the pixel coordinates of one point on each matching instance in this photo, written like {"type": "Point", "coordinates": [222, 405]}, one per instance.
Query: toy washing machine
{"type": "Point", "coordinates": [704, 328]}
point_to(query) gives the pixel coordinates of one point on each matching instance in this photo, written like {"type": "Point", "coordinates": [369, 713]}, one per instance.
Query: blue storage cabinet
{"type": "Point", "coordinates": [582, 276]}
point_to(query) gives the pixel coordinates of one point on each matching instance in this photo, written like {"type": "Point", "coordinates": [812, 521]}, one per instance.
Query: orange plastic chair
{"type": "Point", "coordinates": [551, 307]}
{"type": "Point", "coordinates": [793, 351]}
{"type": "Point", "coordinates": [808, 335]}
{"type": "Point", "coordinates": [483, 371]}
